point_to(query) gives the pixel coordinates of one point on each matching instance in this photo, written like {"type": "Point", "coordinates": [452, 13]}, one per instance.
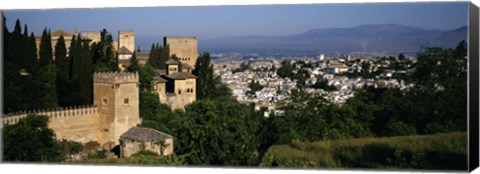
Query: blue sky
{"type": "Point", "coordinates": [207, 22]}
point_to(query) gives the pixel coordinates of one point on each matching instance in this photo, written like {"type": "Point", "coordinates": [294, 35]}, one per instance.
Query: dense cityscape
{"type": "Point", "coordinates": [336, 78]}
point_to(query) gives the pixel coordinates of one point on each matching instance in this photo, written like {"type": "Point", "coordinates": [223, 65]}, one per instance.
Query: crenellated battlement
{"type": "Point", "coordinates": [115, 77]}
{"type": "Point", "coordinates": [53, 114]}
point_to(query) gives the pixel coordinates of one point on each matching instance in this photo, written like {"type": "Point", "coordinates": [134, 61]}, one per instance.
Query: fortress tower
{"type": "Point", "coordinates": [185, 48]}
{"type": "Point", "coordinates": [117, 97]}
{"type": "Point", "coordinates": [126, 47]}
{"type": "Point", "coordinates": [126, 38]}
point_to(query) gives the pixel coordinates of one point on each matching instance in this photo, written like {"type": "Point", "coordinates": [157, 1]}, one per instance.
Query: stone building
{"type": "Point", "coordinates": [174, 88]}
{"type": "Point", "coordinates": [138, 138]}
{"type": "Point", "coordinates": [115, 109]}
{"type": "Point", "coordinates": [185, 48]}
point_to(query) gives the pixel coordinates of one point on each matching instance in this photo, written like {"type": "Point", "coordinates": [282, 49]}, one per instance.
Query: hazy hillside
{"type": "Point", "coordinates": [383, 38]}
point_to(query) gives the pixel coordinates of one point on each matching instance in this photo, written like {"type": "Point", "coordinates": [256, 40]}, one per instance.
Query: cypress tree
{"type": "Point", "coordinates": [152, 57]}
{"type": "Point", "coordinates": [69, 98]}
{"type": "Point", "coordinates": [5, 36]}
{"type": "Point", "coordinates": [31, 54]}
{"type": "Point", "coordinates": [15, 43]}
{"type": "Point", "coordinates": [71, 57]}
{"type": "Point", "coordinates": [87, 75]}
{"type": "Point", "coordinates": [45, 49]}
{"type": "Point", "coordinates": [206, 81]}
{"type": "Point", "coordinates": [61, 69]}
{"type": "Point", "coordinates": [133, 67]}
{"type": "Point", "coordinates": [164, 55]}
{"type": "Point", "coordinates": [78, 72]}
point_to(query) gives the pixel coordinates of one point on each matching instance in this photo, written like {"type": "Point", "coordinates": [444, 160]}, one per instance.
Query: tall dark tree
{"type": "Point", "coordinates": [164, 55]}
{"type": "Point", "coordinates": [204, 71]}
{"type": "Point", "coordinates": [5, 35]}
{"type": "Point", "coordinates": [87, 73]}
{"type": "Point", "coordinates": [152, 60]}
{"type": "Point", "coordinates": [133, 67]}
{"type": "Point", "coordinates": [45, 53]}
{"type": "Point", "coordinates": [208, 85]}
{"type": "Point", "coordinates": [61, 68]}
{"type": "Point", "coordinates": [78, 70]}
{"type": "Point", "coordinates": [31, 54]}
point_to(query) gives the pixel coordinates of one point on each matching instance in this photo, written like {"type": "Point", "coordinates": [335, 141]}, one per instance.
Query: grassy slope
{"type": "Point", "coordinates": [439, 151]}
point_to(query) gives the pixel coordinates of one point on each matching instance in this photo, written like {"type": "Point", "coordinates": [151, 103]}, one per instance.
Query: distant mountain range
{"type": "Point", "coordinates": [392, 38]}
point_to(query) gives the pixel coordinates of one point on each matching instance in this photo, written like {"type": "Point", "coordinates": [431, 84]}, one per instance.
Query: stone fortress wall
{"type": "Point", "coordinates": [115, 110]}
{"type": "Point", "coordinates": [72, 123]}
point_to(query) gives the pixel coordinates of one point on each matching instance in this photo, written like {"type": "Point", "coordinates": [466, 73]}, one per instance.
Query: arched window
{"type": "Point", "coordinates": [125, 101]}
{"type": "Point", "coordinates": [179, 91]}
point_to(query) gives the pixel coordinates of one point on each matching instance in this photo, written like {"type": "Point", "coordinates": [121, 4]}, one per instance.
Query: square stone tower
{"type": "Point", "coordinates": [126, 38]}
{"type": "Point", "coordinates": [117, 97]}
{"type": "Point", "coordinates": [185, 48]}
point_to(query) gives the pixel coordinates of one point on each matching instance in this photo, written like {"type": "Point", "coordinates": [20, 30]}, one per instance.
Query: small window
{"type": "Point", "coordinates": [105, 101]}
{"type": "Point", "coordinates": [125, 101]}
{"type": "Point", "coordinates": [179, 91]}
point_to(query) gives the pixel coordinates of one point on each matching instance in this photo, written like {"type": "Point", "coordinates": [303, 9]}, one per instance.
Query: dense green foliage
{"type": "Point", "coordinates": [439, 151]}
{"type": "Point", "coordinates": [103, 56]}
{"type": "Point", "coordinates": [158, 56]}
{"type": "Point", "coordinates": [311, 118]}
{"type": "Point", "coordinates": [31, 140]}
{"type": "Point", "coordinates": [217, 132]}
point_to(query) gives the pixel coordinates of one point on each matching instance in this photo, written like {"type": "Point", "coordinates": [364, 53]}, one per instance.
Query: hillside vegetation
{"type": "Point", "coordinates": [439, 151]}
